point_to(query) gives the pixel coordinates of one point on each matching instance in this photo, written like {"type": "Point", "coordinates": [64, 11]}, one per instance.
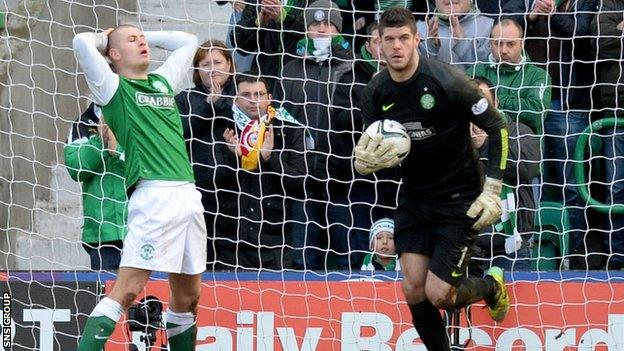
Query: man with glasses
{"type": "Point", "coordinates": [268, 145]}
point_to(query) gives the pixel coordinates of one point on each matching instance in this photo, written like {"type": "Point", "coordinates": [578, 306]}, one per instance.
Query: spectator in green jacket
{"type": "Point", "coordinates": [93, 158]}
{"type": "Point", "coordinates": [523, 89]}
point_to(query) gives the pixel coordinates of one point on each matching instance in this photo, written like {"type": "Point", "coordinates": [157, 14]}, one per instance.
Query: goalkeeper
{"type": "Point", "coordinates": [440, 209]}
{"type": "Point", "coordinates": [166, 228]}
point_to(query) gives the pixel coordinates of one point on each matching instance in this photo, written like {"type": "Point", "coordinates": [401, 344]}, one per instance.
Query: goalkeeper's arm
{"type": "Point", "coordinates": [372, 154]}
{"type": "Point", "coordinates": [487, 207]}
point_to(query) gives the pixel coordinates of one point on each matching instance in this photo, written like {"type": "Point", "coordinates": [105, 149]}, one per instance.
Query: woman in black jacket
{"type": "Point", "coordinates": [206, 111]}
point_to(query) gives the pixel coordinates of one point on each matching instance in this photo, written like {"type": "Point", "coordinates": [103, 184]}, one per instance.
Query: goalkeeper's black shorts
{"type": "Point", "coordinates": [441, 231]}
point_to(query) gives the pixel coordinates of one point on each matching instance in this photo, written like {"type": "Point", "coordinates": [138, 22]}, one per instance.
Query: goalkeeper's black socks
{"type": "Point", "coordinates": [470, 290]}
{"type": "Point", "coordinates": [430, 326]}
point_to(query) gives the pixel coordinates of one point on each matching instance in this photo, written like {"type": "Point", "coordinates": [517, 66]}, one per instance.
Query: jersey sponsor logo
{"type": "Point", "coordinates": [427, 101]}
{"type": "Point", "coordinates": [416, 131]}
{"type": "Point", "coordinates": [147, 251]}
{"type": "Point", "coordinates": [385, 108]}
{"type": "Point", "coordinates": [479, 107]}
{"type": "Point", "coordinates": [155, 100]}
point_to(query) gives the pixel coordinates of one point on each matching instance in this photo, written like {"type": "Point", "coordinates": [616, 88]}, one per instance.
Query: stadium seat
{"type": "Point", "coordinates": [552, 226]}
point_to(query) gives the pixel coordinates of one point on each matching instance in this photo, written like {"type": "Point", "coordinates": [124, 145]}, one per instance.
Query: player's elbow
{"type": "Point", "coordinates": [193, 40]}
{"type": "Point", "coordinates": [79, 41]}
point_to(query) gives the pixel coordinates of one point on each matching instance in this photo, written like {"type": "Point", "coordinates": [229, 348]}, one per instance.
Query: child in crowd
{"type": "Point", "coordinates": [381, 242]}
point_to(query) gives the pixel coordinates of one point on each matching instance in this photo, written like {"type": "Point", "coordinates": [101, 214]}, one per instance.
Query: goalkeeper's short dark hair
{"type": "Point", "coordinates": [397, 17]}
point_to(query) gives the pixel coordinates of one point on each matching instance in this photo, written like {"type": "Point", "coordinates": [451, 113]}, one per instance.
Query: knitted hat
{"type": "Point", "coordinates": [382, 225]}
{"type": "Point", "coordinates": [323, 10]}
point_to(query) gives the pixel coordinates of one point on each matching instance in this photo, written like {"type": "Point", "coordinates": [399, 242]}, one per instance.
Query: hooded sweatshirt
{"type": "Point", "coordinates": [474, 47]}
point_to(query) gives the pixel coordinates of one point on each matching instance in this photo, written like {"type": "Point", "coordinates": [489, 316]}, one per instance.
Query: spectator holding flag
{"type": "Point", "coordinates": [268, 142]}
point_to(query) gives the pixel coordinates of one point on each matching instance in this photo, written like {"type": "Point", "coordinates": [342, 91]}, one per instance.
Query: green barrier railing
{"type": "Point", "coordinates": [579, 169]}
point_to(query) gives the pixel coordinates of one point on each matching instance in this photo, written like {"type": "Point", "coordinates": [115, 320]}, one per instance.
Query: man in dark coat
{"type": "Point", "coordinates": [268, 145]}
{"type": "Point", "coordinates": [305, 89]}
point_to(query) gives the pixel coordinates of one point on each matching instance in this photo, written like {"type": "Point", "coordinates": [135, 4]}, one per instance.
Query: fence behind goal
{"type": "Point", "coordinates": [51, 289]}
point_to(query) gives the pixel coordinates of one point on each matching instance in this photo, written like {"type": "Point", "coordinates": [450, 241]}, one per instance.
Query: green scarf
{"type": "Point", "coordinates": [306, 45]}
{"type": "Point", "coordinates": [388, 4]}
{"type": "Point", "coordinates": [366, 56]}
{"type": "Point", "coordinates": [367, 264]}
{"type": "Point", "coordinates": [508, 218]}
{"type": "Point", "coordinates": [288, 5]}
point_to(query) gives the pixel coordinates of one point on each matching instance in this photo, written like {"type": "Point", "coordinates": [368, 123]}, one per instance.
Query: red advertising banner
{"type": "Point", "coordinates": [364, 315]}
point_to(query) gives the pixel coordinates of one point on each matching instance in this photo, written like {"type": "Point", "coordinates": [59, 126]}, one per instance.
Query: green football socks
{"type": "Point", "coordinates": [100, 325]}
{"type": "Point", "coordinates": [181, 331]}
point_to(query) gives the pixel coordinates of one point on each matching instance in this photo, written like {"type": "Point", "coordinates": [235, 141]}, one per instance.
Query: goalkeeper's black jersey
{"type": "Point", "coordinates": [436, 106]}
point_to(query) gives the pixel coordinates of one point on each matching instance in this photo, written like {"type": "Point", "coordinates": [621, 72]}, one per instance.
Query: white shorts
{"type": "Point", "coordinates": [166, 228]}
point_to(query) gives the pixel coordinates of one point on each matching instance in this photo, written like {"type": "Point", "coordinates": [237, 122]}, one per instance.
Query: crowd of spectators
{"type": "Point", "coordinates": [273, 118]}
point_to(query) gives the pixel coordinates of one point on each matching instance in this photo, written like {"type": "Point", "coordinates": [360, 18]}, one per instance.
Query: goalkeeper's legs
{"type": "Point", "coordinates": [101, 323]}
{"type": "Point", "coordinates": [182, 312]}
{"type": "Point", "coordinates": [425, 316]}
{"type": "Point", "coordinates": [448, 288]}
{"type": "Point", "coordinates": [467, 291]}
{"type": "Point", "coordinates": [426, 293]}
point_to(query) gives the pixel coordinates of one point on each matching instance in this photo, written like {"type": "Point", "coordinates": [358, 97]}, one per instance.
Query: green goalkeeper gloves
{"type": "Point", "coordinates": [374, 154]}
{"type": "Point", "coordinates": [488, 205]}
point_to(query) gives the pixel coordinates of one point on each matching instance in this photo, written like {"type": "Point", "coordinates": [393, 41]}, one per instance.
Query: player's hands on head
{"type": "Point", "coordinates": [373, 154]}
{"type": "Point", "coordinates": [487, 207]}
{"type": "Point", "coordinates": [102, 42]}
